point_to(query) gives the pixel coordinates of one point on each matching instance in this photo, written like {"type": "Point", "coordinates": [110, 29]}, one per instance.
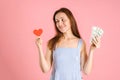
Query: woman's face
{"type": "Point", "coordinates": [62, 22]}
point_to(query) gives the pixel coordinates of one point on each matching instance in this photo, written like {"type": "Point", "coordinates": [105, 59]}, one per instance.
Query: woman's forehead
{"type": "Point", "coordinates": [60, 15]}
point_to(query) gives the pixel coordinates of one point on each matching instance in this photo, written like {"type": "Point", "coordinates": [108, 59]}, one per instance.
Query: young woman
{"type": "Point", "coordinates": [66, 51]}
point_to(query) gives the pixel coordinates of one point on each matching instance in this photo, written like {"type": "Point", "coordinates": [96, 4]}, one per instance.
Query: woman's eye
{"type": "Point", "coordinates": [56, 21]}
{"type": "Point", "coordinates": [62, 19]}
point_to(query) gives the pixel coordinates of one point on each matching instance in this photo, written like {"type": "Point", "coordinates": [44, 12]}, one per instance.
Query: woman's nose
{"type": "Point", "coordinates": [60, 23]}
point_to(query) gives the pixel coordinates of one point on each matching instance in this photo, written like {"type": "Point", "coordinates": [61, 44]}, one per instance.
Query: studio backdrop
{"type": "Point", "coordinates": [19, 58]}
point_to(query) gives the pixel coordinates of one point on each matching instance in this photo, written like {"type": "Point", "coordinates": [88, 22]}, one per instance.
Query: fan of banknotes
{"type": "Point", "coordinates": [96, 31]}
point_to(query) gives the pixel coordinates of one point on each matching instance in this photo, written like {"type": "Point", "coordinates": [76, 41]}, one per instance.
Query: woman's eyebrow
{"type": "Point", "coordinates": [59, 18]}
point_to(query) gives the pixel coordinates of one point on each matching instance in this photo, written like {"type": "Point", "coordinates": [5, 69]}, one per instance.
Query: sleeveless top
{"type": "Point", "coordinates": [66, 63]}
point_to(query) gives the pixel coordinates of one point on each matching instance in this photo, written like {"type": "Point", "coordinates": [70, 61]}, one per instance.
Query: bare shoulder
{"type": "Point", "coordinates": [76, 39]}
{"type": "Point", "coordinates": [83, 46]}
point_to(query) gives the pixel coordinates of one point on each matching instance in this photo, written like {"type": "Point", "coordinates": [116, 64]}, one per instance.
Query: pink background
{"type": "Point", "coordinates": [19, 58]}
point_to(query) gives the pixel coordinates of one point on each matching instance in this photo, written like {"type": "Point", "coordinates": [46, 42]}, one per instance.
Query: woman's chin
{"type": "Point", "coordinates": [63, 31]}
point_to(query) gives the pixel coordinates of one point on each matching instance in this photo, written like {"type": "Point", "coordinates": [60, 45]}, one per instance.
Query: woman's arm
{"type": "Point", "coordinates": [45, 61]}
{"type": "Point", "coordinates": [87, 59]}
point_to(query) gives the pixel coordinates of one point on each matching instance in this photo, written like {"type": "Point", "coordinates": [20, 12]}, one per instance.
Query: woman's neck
{"type": "Point", "coordinates": [68, 35]}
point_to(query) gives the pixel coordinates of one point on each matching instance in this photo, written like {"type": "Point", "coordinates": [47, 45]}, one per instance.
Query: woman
{"type": "Point", "coordinates": [66, 51]}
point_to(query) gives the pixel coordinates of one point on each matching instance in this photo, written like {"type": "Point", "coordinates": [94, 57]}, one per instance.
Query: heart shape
{"type": "Point", "coordinates": [37, 32]}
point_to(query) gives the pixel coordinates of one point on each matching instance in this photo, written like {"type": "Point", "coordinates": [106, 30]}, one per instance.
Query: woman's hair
{"type": "Point", "coordinates": [52, 42]}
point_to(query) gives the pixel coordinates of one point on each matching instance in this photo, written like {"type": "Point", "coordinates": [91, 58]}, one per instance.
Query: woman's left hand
{"type": "Point", "coordinates": [95, 42]}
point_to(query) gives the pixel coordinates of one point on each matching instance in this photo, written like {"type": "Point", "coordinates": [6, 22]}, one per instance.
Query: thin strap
{"type": "Point", "coordinates": [79, 43]}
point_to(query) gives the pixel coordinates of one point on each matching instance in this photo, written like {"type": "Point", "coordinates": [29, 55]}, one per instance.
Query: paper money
{"type": "Point", "coordinates": [96, 31]}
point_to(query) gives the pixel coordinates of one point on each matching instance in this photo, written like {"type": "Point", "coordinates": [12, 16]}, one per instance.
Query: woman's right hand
{"type": "Point", "coordinates": [38, 42]}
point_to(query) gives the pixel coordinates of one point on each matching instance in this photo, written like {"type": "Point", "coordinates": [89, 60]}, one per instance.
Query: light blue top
{"type": "Point", "coordinates": [66, 63]}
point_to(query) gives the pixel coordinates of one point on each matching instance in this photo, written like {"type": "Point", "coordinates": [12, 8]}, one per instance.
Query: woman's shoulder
{"type": "Point", "coordinates": [83, 44]}
{"type": "Point", "coordinates": [81, 40]}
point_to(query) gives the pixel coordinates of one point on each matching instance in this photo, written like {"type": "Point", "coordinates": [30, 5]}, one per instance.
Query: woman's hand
{"type": "Point", "coordinates": [95, 43]}
{"type": "Point", "coordinates": [38, 42]}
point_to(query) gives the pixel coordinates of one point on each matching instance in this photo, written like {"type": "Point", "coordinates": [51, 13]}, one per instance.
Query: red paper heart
{"type": "Point", "coordinates": [38, 32]}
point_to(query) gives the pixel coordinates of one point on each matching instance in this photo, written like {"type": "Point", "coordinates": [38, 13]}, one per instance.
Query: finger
{"type": "Point", "coordinates": [93, 41]}
{"type": "Point", "coordinates": [93, 44]}
{"type": "Point", "coordinates": [37, 40]}
{"type": "Point", "coordinates": [96, 43]}
{"type": "Point", "coordinates": [96, 39]}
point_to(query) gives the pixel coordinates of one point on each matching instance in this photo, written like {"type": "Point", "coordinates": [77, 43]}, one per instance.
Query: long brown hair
{"type": "Point", "coordinates": [52, 42]}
